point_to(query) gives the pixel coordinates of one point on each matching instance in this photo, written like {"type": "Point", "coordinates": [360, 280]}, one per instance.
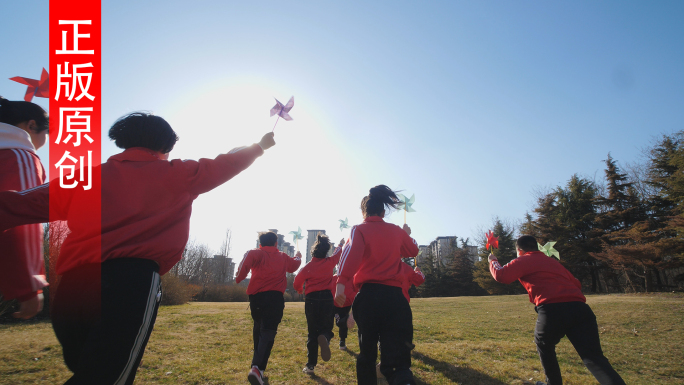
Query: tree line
{"type": "Point", "coordinates": [621, 233]}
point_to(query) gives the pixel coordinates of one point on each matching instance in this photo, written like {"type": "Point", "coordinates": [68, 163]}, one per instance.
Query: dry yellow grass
{"type": "Point", "coordinates": [464, 340]}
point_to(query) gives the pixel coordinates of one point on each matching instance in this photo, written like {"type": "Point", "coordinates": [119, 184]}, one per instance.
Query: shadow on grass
{"type": "Point", "coordinates": [351, 353]}
{"type": "Point", "coordinates": [320, 380]}
{"type": "Point", "coordinates": [462, 375]}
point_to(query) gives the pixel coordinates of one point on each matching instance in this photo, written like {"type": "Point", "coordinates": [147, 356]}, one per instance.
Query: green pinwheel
{"type": "Point", "coordinates": [549, 250]}
{"type": "Point", "coordinates": [406, 204]}
{"type": "Point", "coordinates": [344, 224]}
{"type": "Point", "coordinates": [296, 236]}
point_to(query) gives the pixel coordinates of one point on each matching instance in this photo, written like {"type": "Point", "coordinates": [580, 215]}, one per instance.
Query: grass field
{"type": "Point", "coordinates": [464, 340]}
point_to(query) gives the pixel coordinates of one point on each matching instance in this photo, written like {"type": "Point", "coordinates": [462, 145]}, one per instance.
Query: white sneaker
{"type": "Point", "coordinates": [308, 369]}
{"type": "Point", "coordinates": [255, 377]}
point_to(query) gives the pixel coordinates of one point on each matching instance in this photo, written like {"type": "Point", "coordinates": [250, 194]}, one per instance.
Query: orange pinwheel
{"type": "Point", "coordinates": [39, 88]}
{"type": "Point", "coordinates": [492, 241]}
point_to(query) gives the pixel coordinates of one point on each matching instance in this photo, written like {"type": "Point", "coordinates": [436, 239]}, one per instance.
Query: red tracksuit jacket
{"type": "Point", "coordinates": [318, 273]}
{"type": "Point", "coordinates": [146, 205]}
{"type": "Point", "coordinates": [373, 254]}
{"type": "Point", "coordinates": [544, 278]}
{"type": "Point", "coordinates": [268, 266]}
{"type": "Point", "coordinates": [413, 277]}
{"type": "Point", "coordinates": [22, 270]}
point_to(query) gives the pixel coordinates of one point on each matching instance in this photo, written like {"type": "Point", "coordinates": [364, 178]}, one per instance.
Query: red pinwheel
{"type": "Point", "coordinates": [39, 88]}
{"type": "Point", "coordinates": [492, 241]}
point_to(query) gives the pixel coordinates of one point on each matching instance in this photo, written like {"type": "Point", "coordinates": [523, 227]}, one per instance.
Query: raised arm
{"type": "Point", "coordinates": [294, 263]}
{"type": "Point", "coordinates": [511, 271]}
{"type": "Point", "coordinates": [409, 246]}
{"type": "Point", "coordinates": [207, 174]}
{"type": "Point", "coordinates": [335, 257]}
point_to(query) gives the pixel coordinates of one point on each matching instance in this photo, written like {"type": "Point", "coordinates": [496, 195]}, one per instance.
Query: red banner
{"type": "Point", "coordinates": [75, 124]}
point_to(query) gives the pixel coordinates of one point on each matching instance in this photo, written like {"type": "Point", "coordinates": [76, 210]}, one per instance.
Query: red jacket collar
{"type": "Point", "coordinates": [374, 218]}
{"type": "Point", "coordinates": [136, 154]}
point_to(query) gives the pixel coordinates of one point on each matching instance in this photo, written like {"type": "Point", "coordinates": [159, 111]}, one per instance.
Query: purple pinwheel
{"type": "Point", "coordinates": [282, 110]}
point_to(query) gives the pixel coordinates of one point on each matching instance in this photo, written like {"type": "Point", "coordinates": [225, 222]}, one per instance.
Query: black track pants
{"type": "Point", "coordinates": [319, 320]}
{"type": "Point", "coordinates": [267, 312]}
{"type": "Point", "coordinates": [577, 321]}
{"type": "Point", "coordinates": [341, 316]}
{"type": "Point", "coordinates": [103, 316]}
{"type": "Point", "coordinates": [383, 315]}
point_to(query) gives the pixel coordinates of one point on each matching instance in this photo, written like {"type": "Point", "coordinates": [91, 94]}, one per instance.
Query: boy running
{"type": "Point", "coordinates": [561, 309]}
{"type": "Point", "coordinates": [266, 287]}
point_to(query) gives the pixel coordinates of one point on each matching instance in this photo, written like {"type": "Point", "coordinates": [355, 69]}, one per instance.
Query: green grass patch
{"type": "Point", "coordinates": [463, 340]}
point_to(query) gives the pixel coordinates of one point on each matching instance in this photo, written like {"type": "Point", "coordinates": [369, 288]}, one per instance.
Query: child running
{"type": "Point", "coordinates": [103, 313]}
{"type": "Point", "coordinates": [23, 129]}
{"type": "Point", "coordinates": [342, 313]}
{"type": "Point", "coordinates": [266, 287]}
{"type": "Point", "coordinates": [372, 261]}
{"type": "Point", "coordinates": [317, 275]}
{"type": "Point", "coordinates": [561, 308]}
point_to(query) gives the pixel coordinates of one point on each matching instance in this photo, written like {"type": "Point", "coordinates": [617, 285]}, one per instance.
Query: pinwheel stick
{"type": "Point", "coordinates": [275, 123]}
{"type": "Point", "coordinates": [404, 216]}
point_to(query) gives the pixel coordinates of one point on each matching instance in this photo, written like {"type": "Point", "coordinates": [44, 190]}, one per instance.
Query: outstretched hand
{"type": "Point", "coordinates": [491, 258]}
{"type": "Point", "coordinates": [298, 255]}
{"type": "Point", "coordinates": [407, 229]}
{"type": "Point", "coordinates": [29, 308]}
{"type": "Point", "coordinates": [342, 242]}
{"type": "Point", "coordinates": [340, 298]}
{"type": "Point", "coordinates": [267, 141]}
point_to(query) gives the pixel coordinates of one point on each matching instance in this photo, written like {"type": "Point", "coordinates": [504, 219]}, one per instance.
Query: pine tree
{"type": "Point", "coordinates": [627, 239]}
{"type": "Point", "coordinates": [577, 232]}
{"type": "Point", "coordinates": [505, 253]}
{"type": "Point", "coordinates": [432, 269]}
{"type": "Point", "coordinates": [459, 273]}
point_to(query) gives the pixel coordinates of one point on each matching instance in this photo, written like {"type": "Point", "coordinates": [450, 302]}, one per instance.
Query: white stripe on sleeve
{"type": "Point", "coordinates": [345, 253]}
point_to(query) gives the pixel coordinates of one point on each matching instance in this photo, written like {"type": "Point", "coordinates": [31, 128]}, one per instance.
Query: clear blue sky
{"type": "Point", "coordinates": [468, 105]}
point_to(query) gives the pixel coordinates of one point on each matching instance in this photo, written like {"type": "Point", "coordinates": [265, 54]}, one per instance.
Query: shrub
{"type": "Point", "coordinates": [176, 291]}
{"type": "Point", "coordinates": [225, 293]}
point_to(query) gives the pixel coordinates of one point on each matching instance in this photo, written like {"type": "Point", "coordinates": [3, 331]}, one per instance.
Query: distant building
{"type": "Point", "coordinates": [472, 253]}
{"type": "Point", "coordinates": [222, 269]}
{"type": "Point", "coordinates": [443, 247]}
{"type": "Point", "coordinates": [422, 253]}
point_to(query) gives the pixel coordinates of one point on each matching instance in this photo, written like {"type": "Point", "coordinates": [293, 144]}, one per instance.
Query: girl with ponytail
{"type": "Point", "coordinates": [318, 277]}
{"type": "Point", "coordinates": [23, 130]}
{"type": "Point", "coordinates": [372, 262]}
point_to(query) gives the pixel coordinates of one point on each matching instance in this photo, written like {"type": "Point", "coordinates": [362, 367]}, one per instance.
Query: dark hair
{"type": "Point", "coordinates": [321, 247]}
{"type": "Point", "coordinates": [527, 243]}
{"type": "Point", "coordinates": [16, 112]}
{"type": "Point", "coordinates": [143, 129]}
{"type": "Point", "coordinates": [268, 238]}
{"type": "Point", "coordinates": [379, 198]}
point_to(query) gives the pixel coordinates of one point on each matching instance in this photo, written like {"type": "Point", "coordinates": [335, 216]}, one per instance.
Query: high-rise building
{"type": "Point", "coordinates": [220, 268]}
